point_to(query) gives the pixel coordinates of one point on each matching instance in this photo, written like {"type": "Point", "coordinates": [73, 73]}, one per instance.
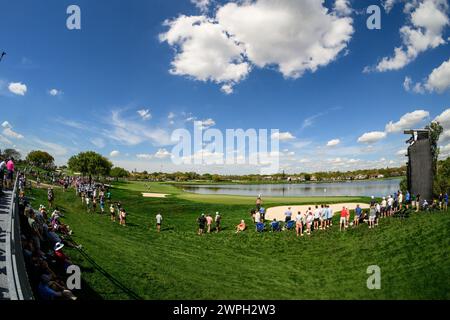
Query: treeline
{"type": "Point", "coordinates": [281, 177]}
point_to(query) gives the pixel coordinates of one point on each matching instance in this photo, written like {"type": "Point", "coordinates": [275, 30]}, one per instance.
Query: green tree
{"type": "Point", "coordinates": [40, 159]}
{"type": "Point", "coordinates": [435, 132]}
{"type": "Point", "coordinates": [90, 164]}
{"type": "Point", "coordinates": [442, 181]}
{"type": "Point", "coordinates": [118, 172]}
{"type": "Point", "coordinates": [11, 153]}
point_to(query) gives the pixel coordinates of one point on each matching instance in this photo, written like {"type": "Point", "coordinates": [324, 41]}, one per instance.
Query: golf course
{"type": "Point", "coordinates": [135, 262]}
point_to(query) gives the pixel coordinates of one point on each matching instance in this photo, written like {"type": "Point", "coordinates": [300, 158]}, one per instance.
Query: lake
{"type": "Point", "coordinates": [377, 188]}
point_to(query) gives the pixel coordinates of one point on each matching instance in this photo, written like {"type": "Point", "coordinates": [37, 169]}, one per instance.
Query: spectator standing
{"type": "Point", "coordinates": [201, 224]}
{"type": "Point", "coordinates": [343, 220]}
{"type": "Point", "coordinates": [218, 220]}
{"type": "Point", "coordinates": [2, 174]}
{"type": "Point", "coordinates": [299, 224]}
{"type": "Point", "coordinates": [50, 197]}
{"type": "Point", "coordinates": [9, 173]}
{"type": "Point", "coordinates": [159, 219]}
{"type": "Point", "coordinates": [209, 221]}
{"type": "Point", "coordinates": [288, 215]}
{"type": "Point", "coordinates": [358, 212]}
{"type": "Point", "coordinates": [112, 212]}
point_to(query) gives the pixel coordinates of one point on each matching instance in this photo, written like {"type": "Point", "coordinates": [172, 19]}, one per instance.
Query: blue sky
{"type": "Point", "coordinates": [122, 62]}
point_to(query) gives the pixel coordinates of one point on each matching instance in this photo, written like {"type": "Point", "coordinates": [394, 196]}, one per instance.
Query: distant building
{"type": "Point", "coordinates": [420, 164]}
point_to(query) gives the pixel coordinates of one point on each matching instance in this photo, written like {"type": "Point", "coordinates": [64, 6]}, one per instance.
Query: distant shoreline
{"type": "Point", "coordinates": [211, 183]}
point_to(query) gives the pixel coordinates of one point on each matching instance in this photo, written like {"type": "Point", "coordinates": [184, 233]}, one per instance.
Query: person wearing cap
{"type": "Point", "coordinates": [201, 224]}
{"type": "Point", "coordinates": [50, 197]}
{"type": "Point", "coordinates": [383, 207]}
{"type": "Point", "coordinates": [358, 212]}
{"type": "Point", "coordinates": [407, 199]}
{"type": "Point", "coordinates": [2, 174]}
{"type": "Point", "coordinates": [112, 212]}
{"type": "Point", "coordinates": [43, 211]}
{"type": "Point", "coordinates": [299, 224]}
{"type": "Point", "coordinates": [159, 219]}
{"type": "Point", "coordinates": [343, 220]}
{"type": "Point", "coordinates": [209, 221]}
{"type": "Point", "coordinates": [123, 217]}
{"type": "Point", "coordinates": [258, 202]}
{"type": "Point", "coordinates": [60, 257]}
{"type": "Point", "coordinates": [262, 213]}
{"type": "Point", "coordinates": [241, 226]}
{"type": "Point", "coordinates": [288, 215]}
{"type": "Point", "coordinates": [218, 220]}
{"type": "Point", "coordinates": [372, 217]}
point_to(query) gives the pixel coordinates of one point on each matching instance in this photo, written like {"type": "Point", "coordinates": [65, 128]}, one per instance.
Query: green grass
{"type": "Point", "coordinates": [177, 264]}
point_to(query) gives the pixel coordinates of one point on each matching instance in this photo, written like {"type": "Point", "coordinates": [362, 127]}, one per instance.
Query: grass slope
{"type": "Point", "coordinates": [413, 253]}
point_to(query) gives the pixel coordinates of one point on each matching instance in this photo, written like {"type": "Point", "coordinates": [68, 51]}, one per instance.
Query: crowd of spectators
{"type": "Point", "coordinates": [44, 237]}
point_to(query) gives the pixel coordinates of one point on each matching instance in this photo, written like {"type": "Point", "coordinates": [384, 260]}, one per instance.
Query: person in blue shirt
{"type": "Point", "coordinates": [446, 201]}
{"type": "Point", "coordinates": [407, 199]}
{"type": "Point", "coordinates": [262, 213]}
{"type": "Point", "coordinates": [288, 215]}
{"type": "Point", "coordinates": [358, 212]}
{"type": "Point", "coordinates": [50, 290]}
{"type": "Point", "coordinates": [275, 225]}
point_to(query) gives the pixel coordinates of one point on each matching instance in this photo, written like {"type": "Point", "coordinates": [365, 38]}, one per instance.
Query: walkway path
{"type": "Point", "coordinates": [5, 203]}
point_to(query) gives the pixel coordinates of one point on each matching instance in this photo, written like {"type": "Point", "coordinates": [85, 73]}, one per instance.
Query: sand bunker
{"type": "Point", "coordinates": [154, 195]}
{"type": "Point", "coordinates": [278, 212]}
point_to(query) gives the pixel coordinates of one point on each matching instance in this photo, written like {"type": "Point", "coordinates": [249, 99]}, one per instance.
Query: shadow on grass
{"type": "Point", "coordinates": [90, 293]}
{"type": "Point", "coordinates": [86, 292]}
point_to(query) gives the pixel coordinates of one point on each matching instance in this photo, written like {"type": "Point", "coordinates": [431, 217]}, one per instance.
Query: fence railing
{"type": "Point", "coordinates": [19, 286]}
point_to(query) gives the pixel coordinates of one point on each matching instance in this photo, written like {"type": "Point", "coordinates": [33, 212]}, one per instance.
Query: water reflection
{"type": "Point", "coordinates": [375, 188]}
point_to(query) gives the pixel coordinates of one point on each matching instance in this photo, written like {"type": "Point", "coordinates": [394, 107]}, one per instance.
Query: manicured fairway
{"type": "Point", "coordinates": [135, 261]}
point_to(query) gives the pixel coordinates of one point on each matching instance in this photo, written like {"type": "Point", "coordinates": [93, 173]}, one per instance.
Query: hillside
{"type": "Point", "coordinates": [136, 262]}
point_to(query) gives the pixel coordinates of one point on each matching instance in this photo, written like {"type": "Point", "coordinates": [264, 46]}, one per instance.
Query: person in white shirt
{"type": "Point", "coordinates": [400, 200]}
{"type": "Point", "coordinates": [309, 221]}
{"type": "Point", "coordinates": [299, 224]}
{"type": "Point", "coordinates": [257, 217]}
{"type": "Point", "coordinates": [159, 219]}
{"type": "Point", "coordinates": [330, 216]}
{"type": "Point", "coordinates": [288, 215]}
{"type": "Point", "coordinates": [316, 218]}
{"type": "Point", "coordinates": [390, 203]}
{"type": "Point", "coordinates": [383, 207]}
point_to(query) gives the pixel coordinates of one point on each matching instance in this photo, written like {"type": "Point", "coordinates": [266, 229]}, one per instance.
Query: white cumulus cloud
{"type": "Point", "coordinates": [439, 79]}
{"type": "Point", "coordinates": [9, 132]}
{"type": "Point", "coordinates": [427, 20]}
{"type": "Point", "coordinates": [333, 143]}
{"type": "Point", "coordinates": [201, 4]}
{"type": "Point", "coordinates": [114, 153]}
{"type": "Point", "coordinates": [372, 137]}
{"type": "Point", "coordinates": [294, 36]}
{"type": "Point", "coordinates": [54, 92]}
{"type": "Point", "coordinates": [407, 121]}
{"type": "Point", "coordinates": [282, 136]}
{"type": "Point", "coordinates": [162, 154]}
{"type": "Point", "coordinates": [17, 88]}
{"type": "Point", "coordinates": [144, 114]}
